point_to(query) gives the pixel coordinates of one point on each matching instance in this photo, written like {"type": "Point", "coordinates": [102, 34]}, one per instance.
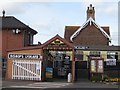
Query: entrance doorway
{"type": "Point", "coordinates": [82, 70]}
{"type": "Point", "coordinates": [58, 55]}
{"type": "Point", "coordinates": [59, 61]}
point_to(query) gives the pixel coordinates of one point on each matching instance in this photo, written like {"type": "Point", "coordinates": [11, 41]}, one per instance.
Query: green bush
{"type": "Point", "coordinates": [105, 77]}
{"type": "Point", "coordinates": [96, 77]}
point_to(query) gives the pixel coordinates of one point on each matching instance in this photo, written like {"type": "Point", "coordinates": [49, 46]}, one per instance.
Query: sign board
{"type": "Point", "coordinates": [25, 56]}
{"type": "Point", "coordinates": [100, 66]}
{"type": "Point", "coordinates": [49, 73]}
{"type": "Point", "coordinates": [96, 65]}
{"type": "Point", "coordinates": [111, 62]}
{"type": "Point", "coordinates": [93, 66]}
{"type": "Point", "coordinates": [66, 63]}
{"type": "Point", "coordinates": [67, 60]}
{"type": "Point", "coordinates": [62, 71]}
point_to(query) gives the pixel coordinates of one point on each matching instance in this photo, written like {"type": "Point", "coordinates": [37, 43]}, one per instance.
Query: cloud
{"type": "Point", "coordinates": [12, 8]}
{"type": "Point", "coordinates": [107, 8]}
{"type": "Point", "coordinates": [49, 19]}
{"type": "Point", "coordinates": [47, 31]}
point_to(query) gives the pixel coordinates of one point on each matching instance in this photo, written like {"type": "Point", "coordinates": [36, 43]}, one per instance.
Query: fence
{"type": "Point", "coordinates": [26, 70]}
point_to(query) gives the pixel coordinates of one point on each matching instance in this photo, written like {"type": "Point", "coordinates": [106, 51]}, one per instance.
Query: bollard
{"type": "Point", "coordinates": [69, 78]}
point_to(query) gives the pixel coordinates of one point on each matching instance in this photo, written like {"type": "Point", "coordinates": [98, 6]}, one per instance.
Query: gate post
{"type": "Point", "coordinates": [73, 66]}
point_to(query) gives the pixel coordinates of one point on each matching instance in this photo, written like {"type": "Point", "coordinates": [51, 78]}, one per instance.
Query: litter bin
{"type": "Point", "coordinates": [69, 78]}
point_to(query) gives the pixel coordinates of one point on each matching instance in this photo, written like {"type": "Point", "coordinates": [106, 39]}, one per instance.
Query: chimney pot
{"type": "Point", "coordinates": [90, 12]}
{"type": "Point", "coordinates": [90, 5]}
{"type": "Point", "coordinates": [3, 13]}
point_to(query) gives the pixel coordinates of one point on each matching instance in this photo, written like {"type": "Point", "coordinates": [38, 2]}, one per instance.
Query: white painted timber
{"type": "Point", "coordinates": [90, 20]}
{"type": "Point", "coordinates": [26, 70]}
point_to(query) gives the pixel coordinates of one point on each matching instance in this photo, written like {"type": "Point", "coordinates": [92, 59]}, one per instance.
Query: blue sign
{"type": "Point", "coordinates": [49, 72]}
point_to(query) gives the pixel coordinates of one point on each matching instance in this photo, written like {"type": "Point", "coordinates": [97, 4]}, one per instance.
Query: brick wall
{"type": "Point", "coordinates": [90, 35]}
{"type": "Point", "coordinates": [11, 41]}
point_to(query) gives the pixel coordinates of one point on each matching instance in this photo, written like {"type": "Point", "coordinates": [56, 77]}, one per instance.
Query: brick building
{"type": "Point", "coordinates": [60, 55]}
{"type": "Point", "coordinates": [92, 40]}
{"type": "Point", "coordinates": [15, 34]}
{"type": "Point", "coordinates": [90, 33]}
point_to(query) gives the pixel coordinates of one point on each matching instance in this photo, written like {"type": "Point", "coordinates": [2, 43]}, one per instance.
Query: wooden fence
{"type": "Point", "coordinates": [26, 70]}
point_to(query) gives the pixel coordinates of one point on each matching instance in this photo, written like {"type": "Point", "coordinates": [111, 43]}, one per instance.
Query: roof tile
{"type": "Point", "coordinates": [12, 22]}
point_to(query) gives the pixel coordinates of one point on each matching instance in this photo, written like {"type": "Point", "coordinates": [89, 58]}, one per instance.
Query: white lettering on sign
{"type": "Point", "coordinates": [111, 62]}
{"type": "Point", "coordinates": [27, 56]}
{"type": "Point", "coordinates": [16, 56]}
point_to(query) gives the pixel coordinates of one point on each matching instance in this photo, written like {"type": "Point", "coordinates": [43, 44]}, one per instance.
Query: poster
{"type": "Point", "coordinates": [49, 73]}
{"type": "Point", "coordinates": [97, 66]}
{"type": "Point", "coordinates": [100, 66]}
{"type": "Point", "coordinates": [93, 66]}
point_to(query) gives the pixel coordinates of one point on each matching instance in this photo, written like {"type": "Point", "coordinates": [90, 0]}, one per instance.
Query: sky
{"type": "Point", "coordinates": [49, 17]}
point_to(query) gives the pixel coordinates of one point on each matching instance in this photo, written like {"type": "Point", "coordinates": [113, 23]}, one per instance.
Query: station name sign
{"type": "Point", "coordinates": [26, 56]}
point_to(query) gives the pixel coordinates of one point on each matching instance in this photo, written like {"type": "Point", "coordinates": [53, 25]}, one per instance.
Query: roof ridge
{"type": "Point", "coordinates": [13, 22]}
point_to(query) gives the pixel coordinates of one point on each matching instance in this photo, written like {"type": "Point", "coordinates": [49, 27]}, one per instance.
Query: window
{"type": "Point", "coordinates": [112, 55]}
{"type": "Point", "coordinates": [79, 55]}
{"type": "Point", "coordinates": [3, 63]}
{"type": "Point", "coordinates": [95, 54]}
{"type": "Point", "coordinates": [30, 39]}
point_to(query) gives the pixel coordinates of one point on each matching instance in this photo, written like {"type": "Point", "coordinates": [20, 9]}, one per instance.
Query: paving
{"type": "Point", "coordinates": [58, 85]}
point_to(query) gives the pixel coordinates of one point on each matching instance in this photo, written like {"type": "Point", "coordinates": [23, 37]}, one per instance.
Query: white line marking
{"type": "Point", "coordinates": [26, 87]}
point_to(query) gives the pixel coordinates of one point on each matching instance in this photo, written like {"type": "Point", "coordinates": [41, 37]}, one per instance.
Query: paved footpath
{"type": "Point", "coordinates": [30, 85]}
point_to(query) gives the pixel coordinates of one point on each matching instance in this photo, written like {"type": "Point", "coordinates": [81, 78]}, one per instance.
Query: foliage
{"type": "Point", "coordinates": [96, 78]}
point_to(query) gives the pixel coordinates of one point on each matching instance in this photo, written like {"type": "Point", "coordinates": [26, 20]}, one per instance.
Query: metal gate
{"type": "Point", "coordinates": [26, 70]}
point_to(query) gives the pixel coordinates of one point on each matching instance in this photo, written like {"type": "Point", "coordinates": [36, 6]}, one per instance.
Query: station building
{"type": "Point", "coordinates": [91, 40]}
{"type": "Point", "coordinates": [14, 34]}
{"type": "Point", "coordinates": [52, 59]}
{"type": "Point", "coordinates": [59, 56]}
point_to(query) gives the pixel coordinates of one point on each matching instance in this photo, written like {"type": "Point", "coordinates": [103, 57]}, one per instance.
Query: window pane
{"type": "Point", "coordinates": [95, 53]}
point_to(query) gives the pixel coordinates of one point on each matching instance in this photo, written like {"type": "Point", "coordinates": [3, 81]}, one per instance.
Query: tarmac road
{"type": "Point", "coordinates": [62, 85]}
{"type": "Point", "coordinates": [61, 89]}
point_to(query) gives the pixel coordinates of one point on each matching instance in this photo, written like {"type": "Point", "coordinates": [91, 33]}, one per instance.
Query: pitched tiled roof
{"type": "Point", "coordinates": [106, 29]}
{"type": "Point", "coordinates": [12, 22]}
{"type": "Point", "coordinates": [90, 21]}
{"type": "Point", "coordinates": [60, 38]}
{"type": "Point", "coordinates": [69, 30]}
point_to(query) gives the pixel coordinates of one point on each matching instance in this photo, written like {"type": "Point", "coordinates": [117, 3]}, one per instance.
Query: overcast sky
{"type": "Point", "coordinates": [50, 17]}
